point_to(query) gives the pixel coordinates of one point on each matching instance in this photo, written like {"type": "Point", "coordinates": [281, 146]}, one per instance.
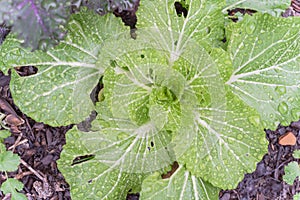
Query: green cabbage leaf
{"type": "Point", "coordinates": [59, 93]}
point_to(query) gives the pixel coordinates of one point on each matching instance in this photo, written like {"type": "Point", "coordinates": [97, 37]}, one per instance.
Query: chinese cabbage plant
{"type": "Point", "coordinates": [175, 93]}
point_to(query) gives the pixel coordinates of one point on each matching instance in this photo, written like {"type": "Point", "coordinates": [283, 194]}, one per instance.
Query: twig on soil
{"type": "Point", "coordinates": [7, 197]}
{"type": "Point", "coordinates": [42, 178]}
{"type": "Point", "coordinates": [30, 129]}
{"type": "Point", "coordinates": [236, 192]}
{"type": "Point", "coordinates": [276, 170]}
{"type": "Point", "coordinates": [43, 188]}
{"type": "Point", "coordinates": [22, 174]}
{"type": "Point", "coordinates": [17, 142]}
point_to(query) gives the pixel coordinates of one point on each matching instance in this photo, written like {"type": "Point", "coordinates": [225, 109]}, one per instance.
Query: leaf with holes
{"type": "Point", "coordinates": [59, 94]}
{"type": "Point", "coordinates": [273, 7]}
{"type": "Point", "coordinates": [170, 94]}
{"type": "Point", "coordinates": [163, 102]}
{"type": "Point", "coordinates": [90, 178]}
{"type": "Point", "coordinates": [204, 22]}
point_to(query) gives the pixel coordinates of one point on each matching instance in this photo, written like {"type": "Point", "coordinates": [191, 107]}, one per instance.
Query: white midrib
{"type": "Point", "coordinates": [235, 77]}
{"type": "Point", "coordinates": [55, 88]}
{"type": "Point", "coordinates": [174, 55]}
{"type": "Point", "coordinates": [131, 77]}
{"type": "Point", "coordinates": [204, 187]}
{"type": "Point", "coordinates": [140, 134]}
{"type": "Point", "coordinates": [81, 49]}
{"type": "Point", "coordinates": [117, 163]}
{"type": "Point", "coordinates": [196, 193]}
{"type": "Point", "coordinates": [205, 124]}
{"type": "Point", "coordinates": [186, 177]}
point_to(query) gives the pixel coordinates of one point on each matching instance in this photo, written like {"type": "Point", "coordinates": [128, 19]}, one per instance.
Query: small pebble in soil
{"type": "Point", "coordinates": [287, 139]}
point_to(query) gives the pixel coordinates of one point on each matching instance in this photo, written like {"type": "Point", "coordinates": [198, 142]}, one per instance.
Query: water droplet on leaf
{"type": "Point", "coordinates": [291, 99]}
{"type": "Point", "coordinates": [280, 90]}
{"type": "Point", "coordinates": [295, 113]}
{"type": "Point", "coordinates": [283, 108]}
{"type": "Point", "coordinates": [254, 120]}
{"type": "Point", "coordinates": [250, 27]}
{"type": "Point", "coordinates": [122, 136]}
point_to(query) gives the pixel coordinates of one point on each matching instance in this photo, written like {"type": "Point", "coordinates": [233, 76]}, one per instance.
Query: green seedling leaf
{"type": "Point", "coordinates": [181, 185]}
{"type": "Point", "coordinates": [8, 160]}
{"type": "Point", "coordinates": [296, 154]}
{"type": "Point", "coordinates": [265, 55]}
{"type": "Point", "coordinates": [12, 186]}
{"type": "Point", "coordinates": [273, 7]}
{"type": "Point", "coordinates": [4, 134]}
{"type": "Point", "coordinates": [59, 94]}
{"type": "Point", "coordinates": [296, 196]}
{"type": "Point", "coordinates": [292, 171]}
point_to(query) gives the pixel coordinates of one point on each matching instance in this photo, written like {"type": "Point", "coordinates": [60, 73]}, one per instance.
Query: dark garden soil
{"type": "Point", "coordinates": [40, 145]}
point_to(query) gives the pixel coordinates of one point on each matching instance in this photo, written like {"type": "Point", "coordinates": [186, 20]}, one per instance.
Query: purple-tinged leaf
{"type": "Point", "coordinates": [39, 23]}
